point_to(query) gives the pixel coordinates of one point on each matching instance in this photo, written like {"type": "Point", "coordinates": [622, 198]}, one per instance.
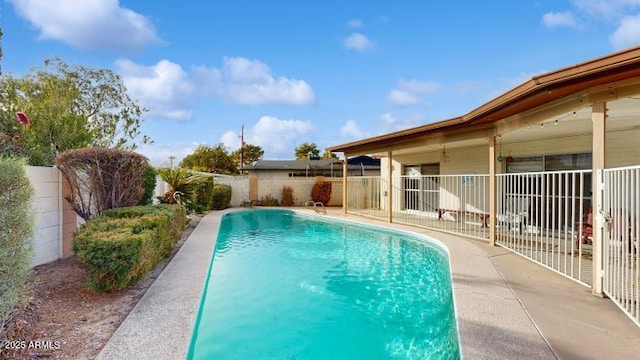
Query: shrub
{"type": "Point", "coordinates": [204, 197]}
{"type": "Point", "coordinates": [268, 200]}
{"type": "Point", "coordinates": [221, 198]}
{"type": "Point", "coordinates": [149, 185]}
{"type": "Point", "coordinates": [102, 178]}
{"type": "Point", "coordinates": [16, 228]}
{"type": "Point", "coordinates": [287, 196]}
{"type": "Point", "coordinates": [321, 192]}
{"type": "Point", "coordinates": [175, 216]}
{"type": "Point", "coordinates": [123, 245]}
{"type": "Point", "coordinates": [183, 186]}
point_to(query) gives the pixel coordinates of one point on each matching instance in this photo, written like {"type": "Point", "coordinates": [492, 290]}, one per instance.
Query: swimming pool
{"type": "Point", "coordinates": [283, 285]}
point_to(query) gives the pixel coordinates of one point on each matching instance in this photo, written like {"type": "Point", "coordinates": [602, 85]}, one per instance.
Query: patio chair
{"type": "Point", "coordinates": [514, 215]}
{"type": "Point", "coordinates": [584, 230]}
{"type": "Point", "coordinates": [620, 229]}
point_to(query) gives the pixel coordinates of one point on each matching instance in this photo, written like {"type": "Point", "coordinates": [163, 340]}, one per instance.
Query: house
{"type": "Point", "coordinates": [358, 166]}
{"type": "Point", "coordinates": [524, 170]}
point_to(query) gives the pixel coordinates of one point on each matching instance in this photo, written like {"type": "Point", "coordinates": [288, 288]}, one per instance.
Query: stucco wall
{"type": "Point", "coordinates": [301, 189]}
{"type": "Point", "coordinates": [239, 188]}
{"type": "Point", "coordinates": [473, 160]}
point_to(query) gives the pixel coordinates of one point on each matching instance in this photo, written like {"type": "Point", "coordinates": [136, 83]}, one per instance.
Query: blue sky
{"type": "Point", "coordinates": [326, 71]}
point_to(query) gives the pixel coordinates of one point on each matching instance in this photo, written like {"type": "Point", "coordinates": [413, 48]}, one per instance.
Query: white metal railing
{"type": "Point", "coordinates": [457, 204]}
{"type": "Point", "coordinates": [547, 217]}
{"type": "Point", "coordinates": [544, 216]}
{"type": "Point", "coordinates": [453, 203]}
{"type": "Point", "coordinates": [621, 244]}
{"type": "Point", "coordinates": [367, 196]}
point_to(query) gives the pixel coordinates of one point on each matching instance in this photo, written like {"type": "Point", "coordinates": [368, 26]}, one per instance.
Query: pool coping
{"type": "Point", "coordinates": [493, 320]}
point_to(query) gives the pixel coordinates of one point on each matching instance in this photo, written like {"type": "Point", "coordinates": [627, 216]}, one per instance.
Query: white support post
{"type": "Point", "coordinates": [390, 187]}
{"type": "Point", "coordinates": [345, 183]}
{"type": "Point", "coordinates": [492, 190]}
{"type": "Point", "coordinates": [598, 117]}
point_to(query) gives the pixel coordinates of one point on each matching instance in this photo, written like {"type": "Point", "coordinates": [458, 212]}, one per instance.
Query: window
{"type": "Point", "coordinates": [549, 163]}
{"type": "Point", "coordinates": [421, 187]}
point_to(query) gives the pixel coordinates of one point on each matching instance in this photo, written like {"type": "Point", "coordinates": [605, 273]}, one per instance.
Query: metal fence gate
{"type": "Point", "coordinates": [621, 244]}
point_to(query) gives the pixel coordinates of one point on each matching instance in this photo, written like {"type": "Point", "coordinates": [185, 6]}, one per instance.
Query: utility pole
{"type": "Point", "coordinates": [171, 161]}
{"type": "Point", "coordinates": [242, 148]}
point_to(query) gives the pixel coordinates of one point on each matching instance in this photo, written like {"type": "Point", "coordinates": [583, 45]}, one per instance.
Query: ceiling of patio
{"type": "Point", "coordinates": [623, 114]}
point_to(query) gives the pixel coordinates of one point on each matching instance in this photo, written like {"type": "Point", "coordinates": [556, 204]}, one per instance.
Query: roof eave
{"type": "Point", "coordinates": [527, 90]}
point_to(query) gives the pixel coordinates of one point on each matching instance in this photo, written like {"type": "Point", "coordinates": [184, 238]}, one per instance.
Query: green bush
{"type": "Point", "coordinates": [16, 228]}
{"type": "Point", "coordinates": [221, 198]}
{"type": "Point", "coordinates": [173, 215]}
{"type": "Point", "coordinates": [149, 185]}
{"type": "Point", "coordinates": [183, 186]}
{"type": "Point", "coordinates": [321, 192]}
{"type": "Point", "coordinates": [204, 197]}
{"type": "Point", "coordinates": [122, 245]}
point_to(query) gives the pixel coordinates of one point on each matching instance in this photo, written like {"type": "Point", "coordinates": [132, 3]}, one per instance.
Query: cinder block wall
{"type": "Point", "coordinates": [46, 204]}
{"type": "Point", "coordinates": [243, 190]}
{"type": "Point", "coordinates": [55, 219]}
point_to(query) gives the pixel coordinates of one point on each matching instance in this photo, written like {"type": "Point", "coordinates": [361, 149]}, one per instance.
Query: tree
{"type": "Point", "coordinates": [328, 155]}
{"type": "Point", "coordinates": [1, 33]}
{"type": "Point", "coordinates": [73, 106]}
{"type": "Point", "coordinates": [210, 159]}
{"type": "Point", "coordinates": [50, 101]}
{"type": "Point", "coordinates": [102, 178]}
{"type": "Point", "coordinates": [251, 154]}
{"type": "Point", "coordinates": [303, 151]}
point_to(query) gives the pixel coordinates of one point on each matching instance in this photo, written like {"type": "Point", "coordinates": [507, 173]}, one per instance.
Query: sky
{"type": "Point", "coordinates": [321, 71]}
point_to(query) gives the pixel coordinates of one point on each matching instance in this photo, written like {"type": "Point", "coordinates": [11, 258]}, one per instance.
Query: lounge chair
{"type": "Point", "coordinates": [584, 230]}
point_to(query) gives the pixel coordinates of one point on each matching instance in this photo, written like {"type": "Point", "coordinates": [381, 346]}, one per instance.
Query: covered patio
{"type": "Point", "coordinates": [548, 170]}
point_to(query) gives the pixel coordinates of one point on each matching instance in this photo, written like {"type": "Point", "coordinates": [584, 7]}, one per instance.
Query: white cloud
{"type": "Point", "coordinates": [351, 131]}
{"type": "Point", "coordinates": [88, 24]}
{"type": "Point", "coordinates": [623, 14]}
{"type": "Point", "coordinates": [416, 86]}
{"type": "Point", "coordinates": [388, 119]}
{"type": "Point", "coordinates": [359, 42]}
{"type": "Point", "coordinates": [390, 122]}
{"type": "Point", "coordinates": [407, 92]}
{"type": "Point", "coordinates": [277, 137]}
{"type": "Point", "coordinates": [250, 82]}
{"type": "Point", "coordinates": [163, 88]}
{"type": "Point", "coordinates": [627, 34]}
{"type": "Point", "coordinates": [231, 140]}
{"type": "Point", "coordinates": [559, 19]}
{"type": "Point", "coordinates": [607, 9]}
{"type": "Point", "coordinates": [403, 98]}
{"type": "Point", "coordinates": [355, 23]}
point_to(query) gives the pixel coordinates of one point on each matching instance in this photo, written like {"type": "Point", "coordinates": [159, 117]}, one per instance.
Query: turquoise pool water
{"type": "Point", "coordinates": [289, 286]}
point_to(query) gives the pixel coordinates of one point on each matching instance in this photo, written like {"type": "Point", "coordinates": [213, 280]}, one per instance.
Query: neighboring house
{"type": "Point", "coordinates": [359, 166]}
{"type": "Point", "coordinates": [523, 171]}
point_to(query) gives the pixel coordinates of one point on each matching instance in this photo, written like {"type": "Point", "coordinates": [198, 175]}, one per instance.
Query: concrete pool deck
{"type": "Point", "coordinates": [507, 307]}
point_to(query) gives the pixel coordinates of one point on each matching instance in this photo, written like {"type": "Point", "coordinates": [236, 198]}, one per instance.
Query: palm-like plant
{"type": "Point", "coordinates": [183, 185]}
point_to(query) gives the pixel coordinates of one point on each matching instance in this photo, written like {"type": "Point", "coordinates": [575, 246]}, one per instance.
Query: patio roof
{"type": "Point", "coordinates": [535, 93]}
